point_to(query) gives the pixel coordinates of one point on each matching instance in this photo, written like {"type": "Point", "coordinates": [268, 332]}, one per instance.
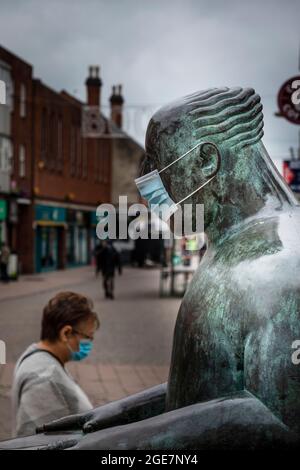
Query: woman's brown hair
{"type": "Point", "coordinates": [66, 308]}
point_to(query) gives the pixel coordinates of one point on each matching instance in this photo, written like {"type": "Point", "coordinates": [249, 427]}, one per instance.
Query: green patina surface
{"type": "Point", "coordinates": [232, 311]}
{"type": "Point", "coordinates": [241, 312]}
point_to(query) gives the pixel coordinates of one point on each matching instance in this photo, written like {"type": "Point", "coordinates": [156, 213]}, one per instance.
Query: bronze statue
{"type": "Point", "coordinates": [232, 381]}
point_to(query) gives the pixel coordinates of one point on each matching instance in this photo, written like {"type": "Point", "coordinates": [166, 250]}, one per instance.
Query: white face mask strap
{"type": "Point", "coordinates": [196, 190]}
{"type": "Point", "coordinates": [210, 179]}
{"type": "Point", "coordinates": [182, 156]}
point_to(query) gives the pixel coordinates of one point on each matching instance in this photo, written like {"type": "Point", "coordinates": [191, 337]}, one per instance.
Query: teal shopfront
{"type": "Point", "coordinates": [3, 216]}
{"type": "Point", "coordinates": [78, 251]}
{"type": "Point", "coordinates": [93, 235]}
{"type": "Point", "coordinates": [50, 225]}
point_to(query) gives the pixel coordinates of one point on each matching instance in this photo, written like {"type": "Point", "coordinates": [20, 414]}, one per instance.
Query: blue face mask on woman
{"type": "Point", "coordinates": [85, 348]}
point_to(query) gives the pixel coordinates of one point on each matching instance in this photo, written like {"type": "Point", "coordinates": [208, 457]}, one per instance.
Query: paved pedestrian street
{"type": "Point", "coordinates": [132, 349]}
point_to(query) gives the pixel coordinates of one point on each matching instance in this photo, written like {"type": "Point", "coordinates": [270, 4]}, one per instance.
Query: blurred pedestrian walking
{"type": "Point", "coordinates": [109, 259]}
{"type": "Point", "coordinates": [4, 259]}
{"type": "Point", "coordinates": [97, 255]}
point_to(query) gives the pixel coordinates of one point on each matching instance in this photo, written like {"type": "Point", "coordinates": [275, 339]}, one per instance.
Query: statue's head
{"type": "Point", "coordinates": [230, 118]}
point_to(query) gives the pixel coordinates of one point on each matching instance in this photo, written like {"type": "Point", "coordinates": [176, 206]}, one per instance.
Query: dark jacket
{"type": "Point", "coordinates": [108, 259]}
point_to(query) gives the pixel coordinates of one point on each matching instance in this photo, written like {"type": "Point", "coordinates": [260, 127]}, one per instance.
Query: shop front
{"type": "Point", "coordinates": [3, 217]}
{"type": "Point", "coordinates": [94, 240]}
{"type": "Point", "coordinates": [78, 238]}
{"type": "Point", "coordinates": [50, 226]}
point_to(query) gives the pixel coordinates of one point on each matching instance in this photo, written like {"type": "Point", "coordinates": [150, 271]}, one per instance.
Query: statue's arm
{"type": "Point", "coordinates": [137, 407]}
{"type": "Point", "coordinates": [234, 422]}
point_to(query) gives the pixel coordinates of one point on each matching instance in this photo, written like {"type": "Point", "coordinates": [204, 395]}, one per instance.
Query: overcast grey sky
{"type": "Point", "coordinates": [161, 50]}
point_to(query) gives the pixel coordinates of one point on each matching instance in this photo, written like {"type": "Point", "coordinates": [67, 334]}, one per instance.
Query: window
{"type": "Point", "coordinates": [22, 100]}
{"type": "Point", "coordinates": [106, 161]}
{"type": "Point", "coordinates": [72, 150]}
{"type": "Point", "coordinates": [53, 141]}
{"type": "Point", "coordinates": [84, 159]}
{"type": "Point", "coordinates": [6, 109]}
{"type": "Point", "coordinates": [99, 157]}
{"type": "Point", "coordinates": [6, 156]}
{"type": "Point", "coordinates": [60, 157]}
{"type": "Point", "coordinates": [5, 75]}
{"type": "Point", "coordinates": [2, 92]}
{"type": "Point", "coordinates": [44, 136]}
{"type": "Point", "coordinates": [78, 153]}
{"type": "Point", "coordinates": [22, 163]}
{"type": "Point", "coordinates": [96, 156]}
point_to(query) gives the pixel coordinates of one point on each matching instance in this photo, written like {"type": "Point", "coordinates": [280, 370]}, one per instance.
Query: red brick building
{"type": "Point", "coordinates": [71, 175]}
{"type": "Point", "coordinates": [16, 153]}
{"type": "Point", "coordinates": [67, 158]}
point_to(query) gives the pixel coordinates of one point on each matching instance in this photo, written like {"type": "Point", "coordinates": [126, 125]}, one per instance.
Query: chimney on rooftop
{"type": "Point", "coordinates": [116, 105]}
{"type": "Point", "coordinates": [93, 86]}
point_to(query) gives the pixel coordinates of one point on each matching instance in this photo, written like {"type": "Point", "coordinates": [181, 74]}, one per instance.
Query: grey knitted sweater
{"type": "Point", "coordinates": [42, 391]}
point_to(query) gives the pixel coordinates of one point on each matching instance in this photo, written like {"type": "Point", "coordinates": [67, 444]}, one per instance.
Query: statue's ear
{"type": "Point", "coordinates": [210, 159]}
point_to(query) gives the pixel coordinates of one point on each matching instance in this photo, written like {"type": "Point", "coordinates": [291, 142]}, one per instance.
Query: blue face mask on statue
{"type": "Point", "coordinates": [153, 190]}
{"type": "Point", "coordinates": [85, 348]}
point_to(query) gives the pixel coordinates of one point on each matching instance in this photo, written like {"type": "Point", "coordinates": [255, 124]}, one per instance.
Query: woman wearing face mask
{"type": "Point", "coordinates": [42, 388]}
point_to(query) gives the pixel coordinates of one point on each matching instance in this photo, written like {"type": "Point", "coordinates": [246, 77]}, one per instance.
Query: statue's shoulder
{"type": "Point", "coordinates": [254, 257]}
{"type": "Point", "coordinates": [266, 236]}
